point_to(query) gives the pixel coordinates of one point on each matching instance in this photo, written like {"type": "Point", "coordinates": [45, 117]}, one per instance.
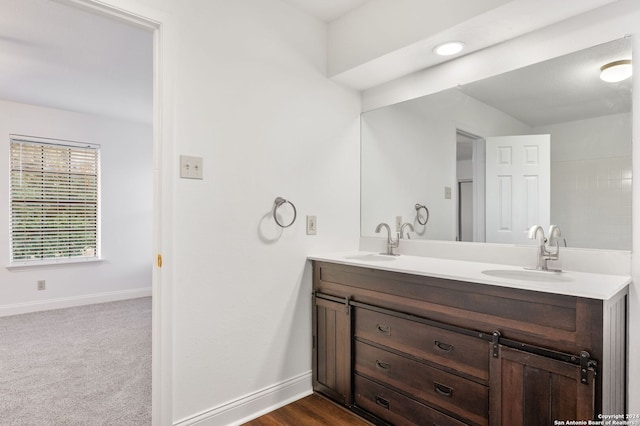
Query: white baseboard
{"type": "Point", "coordinates": [254, 405]}
{"type": "Point", "coordinates": [69, 302]}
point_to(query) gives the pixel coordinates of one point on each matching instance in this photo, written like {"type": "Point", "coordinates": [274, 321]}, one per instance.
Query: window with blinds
{"type": "Point", "coordinates": [54, 201]}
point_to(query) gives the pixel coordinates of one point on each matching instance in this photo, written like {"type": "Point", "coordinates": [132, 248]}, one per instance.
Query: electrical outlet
{"type": "Point", "coordinates": [42, 285]}
{"type": "Point", "coordinates": [312, 225]}
{"type": "Point", "coordinates": [190, 167]}
{"type": "Point", "coordinates": [398, 223]}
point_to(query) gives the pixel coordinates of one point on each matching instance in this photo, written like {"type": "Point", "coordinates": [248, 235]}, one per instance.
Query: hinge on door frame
{"type": "Point", "coordinates": [347, 305]}
{"type": "Point", "coordinates": [495, 343]}
{"type": "Point", "coordinates": [585, 363]}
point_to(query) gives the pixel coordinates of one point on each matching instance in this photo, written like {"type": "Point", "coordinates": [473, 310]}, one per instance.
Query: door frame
{"type": "Point", "coordinates": [459, 209]}
{"type": "Point", "coordinates": [478, 178]}
{"type": "Point", "coordinates": [162, 394]}
{"type": "Point", "coordinates": [479, 182]}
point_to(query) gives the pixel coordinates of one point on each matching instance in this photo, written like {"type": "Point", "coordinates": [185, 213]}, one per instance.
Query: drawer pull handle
{"type": "Point", "coordinates": [443, 390]}
{"type": "Point", "coordinates": [383, 365]}
{"type": "Point", "coordinates": [444, 346]}
{"type": "Point", "coordinates": [384, 329]}
{"type": "Point", "coordinates": [382, 402]}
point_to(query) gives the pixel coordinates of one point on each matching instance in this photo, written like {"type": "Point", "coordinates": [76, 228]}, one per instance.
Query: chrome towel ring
{"type": "Point", "coordinates": [426, 210]}
{"type": "Point", "coordinates": [279, 202]}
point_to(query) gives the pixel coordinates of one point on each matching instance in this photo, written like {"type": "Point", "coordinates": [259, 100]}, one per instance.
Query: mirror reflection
{"type": "Point", "coordinates": [546, 144]}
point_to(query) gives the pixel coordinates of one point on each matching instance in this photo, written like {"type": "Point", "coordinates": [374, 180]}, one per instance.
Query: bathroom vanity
{"type": "Point", "coordinates": [412, 340]}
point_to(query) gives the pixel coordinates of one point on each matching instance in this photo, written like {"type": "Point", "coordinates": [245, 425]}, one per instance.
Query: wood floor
{"type": "Point", "coordinates": [309, 411]}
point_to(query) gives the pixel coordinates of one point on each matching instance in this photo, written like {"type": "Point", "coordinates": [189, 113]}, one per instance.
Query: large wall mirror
{"type": "Point", "coordinates": [546, 144]}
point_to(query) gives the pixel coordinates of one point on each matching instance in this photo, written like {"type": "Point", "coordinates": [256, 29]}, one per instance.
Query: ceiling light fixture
{"type": "Point", "coordinates": [616, 71]}
{"type": "Point", "coordinates": [449, 48]}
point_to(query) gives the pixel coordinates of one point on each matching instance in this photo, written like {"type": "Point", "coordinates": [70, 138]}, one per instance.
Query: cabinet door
{"type": "Point", "coordinates": [332, 349]}
{"type": "Point", "coordinates": [529, 389]}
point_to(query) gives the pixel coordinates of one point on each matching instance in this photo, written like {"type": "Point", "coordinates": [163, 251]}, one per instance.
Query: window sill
{"type": "Point", "coordinates": [52, 263]}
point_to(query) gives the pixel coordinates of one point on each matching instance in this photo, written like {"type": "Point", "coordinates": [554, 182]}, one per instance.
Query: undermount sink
{"type": "Point", "coordinates": [538, 276]}
{"type": "Point", "coordinates": [372, 257]}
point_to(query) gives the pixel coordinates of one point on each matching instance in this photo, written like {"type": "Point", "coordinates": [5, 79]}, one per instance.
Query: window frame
{"type": "Point", "coordinates": [67, 259]}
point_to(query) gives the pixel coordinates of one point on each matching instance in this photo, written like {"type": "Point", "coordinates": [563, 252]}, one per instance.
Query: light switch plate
{"type": "Point", "coordinates": [447, 192]}
{"type": "Point", "coordinates": [190, 167]}
{"type": "Point", "coordinates": [312, 225]}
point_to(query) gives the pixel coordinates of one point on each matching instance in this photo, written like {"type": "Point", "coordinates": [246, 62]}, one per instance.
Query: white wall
{"type": "Point", "coordinates": [126, 211]}
{"type": "Point", "coordinates": [406, 159]}
{"type": "Point", "coordinates": [409, 157]}
{"type": "Point", "coordinates": [464, 170]}
{"type": "Point", "coordinates": [588, 157]}
{"type": "Point", "coordinates": [634, 296]}
{"type": "Point", "coordinates": [252, 98]}
{"type": "Point", "coordinates": [245, 87]}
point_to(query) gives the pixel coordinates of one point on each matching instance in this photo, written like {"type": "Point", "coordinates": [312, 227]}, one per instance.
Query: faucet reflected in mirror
{"type": "Point", "coordinates": [405, 225]}
{"type": "Point", "coordinates": [544, 252]}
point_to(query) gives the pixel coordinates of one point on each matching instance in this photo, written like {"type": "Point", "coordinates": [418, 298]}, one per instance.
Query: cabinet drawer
{"type": "Point", "coordinates": [433, 386]}
{"type": "Point", "coordinates": [396, 408]}
{"type": "Point", "coordinates": [452, 350]}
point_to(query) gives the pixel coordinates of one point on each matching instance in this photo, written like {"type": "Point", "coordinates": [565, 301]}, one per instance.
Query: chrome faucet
{"type": "Point", "coordinates": [554, 235]}
{"type": "Point", "coordinates": [391, 243]}
{"type": "Point", "coordinates": [544, 254]}
{"type": "Point", "coordinates": [401, 234]}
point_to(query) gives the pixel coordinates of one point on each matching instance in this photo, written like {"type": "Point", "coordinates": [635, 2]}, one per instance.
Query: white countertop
{"type": "Point", "coordinates": [570, 283]}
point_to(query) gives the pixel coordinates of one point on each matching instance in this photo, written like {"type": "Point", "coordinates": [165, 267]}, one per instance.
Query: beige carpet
{"type": "Point", "coordinates": [88, 365]}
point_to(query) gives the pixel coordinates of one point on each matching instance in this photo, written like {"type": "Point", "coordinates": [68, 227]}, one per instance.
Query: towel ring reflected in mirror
{"type": "Point", "coordinates": [279, 202]}
{"type": "Point", "coordinates": [426, 210]}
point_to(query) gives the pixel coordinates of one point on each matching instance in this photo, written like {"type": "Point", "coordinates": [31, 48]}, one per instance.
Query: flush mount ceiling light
{"type": "Point", "coordinates": [449, 48]}
{"type": "Point", "coordinates": [616, 71]}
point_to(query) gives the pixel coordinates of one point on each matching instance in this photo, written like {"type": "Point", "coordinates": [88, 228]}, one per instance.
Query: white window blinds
{"type": "Point", "coordinates": [54, 201]}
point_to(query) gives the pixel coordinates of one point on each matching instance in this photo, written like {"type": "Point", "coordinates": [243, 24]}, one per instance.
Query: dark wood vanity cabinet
{"type": "Point", "coordinates": [332, 349]}
{"type": "Point", "coordinates": [406, 349]}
